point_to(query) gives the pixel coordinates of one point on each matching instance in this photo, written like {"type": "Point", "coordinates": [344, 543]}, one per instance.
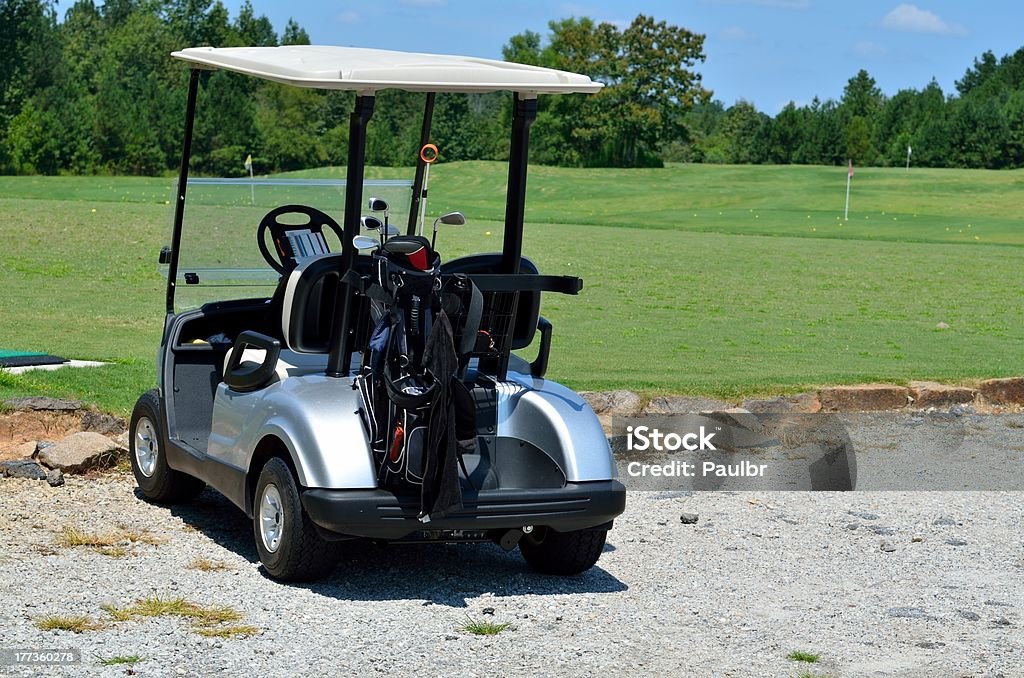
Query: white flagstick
{"type": "Point", "coordinates": [252, 188]}
{"type": "Point", "coordinates": [849, 178]}
{"type": "Point", "coordinates": [908, 158]}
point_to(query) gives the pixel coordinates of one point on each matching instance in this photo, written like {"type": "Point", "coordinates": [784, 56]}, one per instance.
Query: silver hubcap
{"type": "Point", "coordinates": [147, 447]}
{"type": "Point", "coordinates": [271, 518]}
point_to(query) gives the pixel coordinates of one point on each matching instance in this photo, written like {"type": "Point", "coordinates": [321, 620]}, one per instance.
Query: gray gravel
{"type": "Point", "coordinates": [757, 577]}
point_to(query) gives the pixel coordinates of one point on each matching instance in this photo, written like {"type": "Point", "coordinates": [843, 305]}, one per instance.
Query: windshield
{"type": "Point", "coordinates": [220, 259]}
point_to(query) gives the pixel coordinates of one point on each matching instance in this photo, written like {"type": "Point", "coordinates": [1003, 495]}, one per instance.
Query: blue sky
{"type": "Point", "coordinates": [766, 51]}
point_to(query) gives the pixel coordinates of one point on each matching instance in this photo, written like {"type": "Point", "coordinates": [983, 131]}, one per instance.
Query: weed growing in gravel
{"type": "Point", "coordinates": [206, 620]}
{"type": "Point", "coordinates": [208, 565]}
{"type": "Point", "coordinates": [119, 659]}
{"type": "Point", "coordinates": [480, 628]}
{"type": "Point", "coordinates": [74, 623]}
{"type": "Point", "coordinates": [227, 631]}
{"type": "Point", "coordinates": [801, 656]}
{"type": "Point", "coordinates": [109, 543]}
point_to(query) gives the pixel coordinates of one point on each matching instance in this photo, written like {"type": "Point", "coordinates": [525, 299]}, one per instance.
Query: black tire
{"type": "Point", "coordinates": [147, 450]}
{"type": "Point", "coordinates": [298, 553]}
{"type": "Point", "coordinates": [562, 553]}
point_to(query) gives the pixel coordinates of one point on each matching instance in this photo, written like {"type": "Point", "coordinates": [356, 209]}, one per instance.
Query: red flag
{"type": "Point", "coordinates": [849, 171]}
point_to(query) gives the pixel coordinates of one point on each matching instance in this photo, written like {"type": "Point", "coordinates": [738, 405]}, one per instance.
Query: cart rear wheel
{"type": "Point", "coordinates": [290, 548]}
{"type": "Point", "coordinates": [158, 482]}
{"type": "Point", "coordinates": [564, 553]}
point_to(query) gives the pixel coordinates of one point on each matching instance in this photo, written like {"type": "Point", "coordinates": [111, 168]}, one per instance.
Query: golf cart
{"type": "Point", "coordinates": [374, 394]}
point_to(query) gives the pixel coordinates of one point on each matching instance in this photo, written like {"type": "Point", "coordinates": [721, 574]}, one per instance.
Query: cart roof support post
{"type": "Point", "coordinates": [340, 357]}
{"type": "Point", "coordinates": [179, 204]}
{"type": "Point", "coordinates": [523, 115]}
{"type": "Point", "coordinates": [417, 183]}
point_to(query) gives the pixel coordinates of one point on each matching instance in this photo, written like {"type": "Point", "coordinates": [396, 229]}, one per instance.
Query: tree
{"type": "Point", "coordinates": [294, 34]}
{"type": "Point", "coordinates": [650, 84]}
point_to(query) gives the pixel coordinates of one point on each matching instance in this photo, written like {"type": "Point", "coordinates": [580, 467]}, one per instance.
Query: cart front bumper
{"type": "Point", "coordinates": [379, 514]}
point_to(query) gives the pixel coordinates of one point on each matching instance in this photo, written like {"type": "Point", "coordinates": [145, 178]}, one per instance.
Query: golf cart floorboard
{"type": "Point", "coordinates": [379, 514]}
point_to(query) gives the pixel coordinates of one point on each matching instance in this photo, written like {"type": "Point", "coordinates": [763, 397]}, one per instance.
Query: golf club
{"type": "Point", "coordinates": [381, 205]}
{"type": "Point", "coordinates": [364, 242]}
{"type": "Point", "coordinates": [428, 154]}
{"type": "Point", "coordinates": [370, 223]}
{"type": "Point", "coordinates": [452, 219]}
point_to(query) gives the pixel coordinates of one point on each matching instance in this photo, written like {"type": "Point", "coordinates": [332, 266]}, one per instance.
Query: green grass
{"type": "Point", "coordinates": [484, 628]}
{"type": "Point", "coordinates": [723, 281]}
{"type": "Point", "coordinates": [119, 659]}
{"type": "Point", "coordinates": [801, 656]}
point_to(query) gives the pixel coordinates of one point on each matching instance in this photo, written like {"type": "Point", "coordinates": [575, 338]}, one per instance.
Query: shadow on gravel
{"type": "Point", "coordinates": [437, 574]}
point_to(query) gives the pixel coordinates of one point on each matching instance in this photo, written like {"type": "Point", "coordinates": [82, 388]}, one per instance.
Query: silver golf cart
{"type": "Point", "coordinates": [258, 397]}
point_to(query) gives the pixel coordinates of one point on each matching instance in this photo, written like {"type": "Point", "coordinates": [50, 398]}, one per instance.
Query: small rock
{"type": "Point", "coordinates": [24, 468]}
{"type": "Point", "coordinates": [887, 546]}
{"type": "Point", "coordinates": [930, 644]}
{"type": "Point", "coordinates": [998, 603]}
{"type": "Point", "coordinates": [968, 615]}
{"type": "Point", "coordinates": [908, 613]}
{"type": "Point", "coordinates": [80, 452]}
{"type": "Point", "coordinates": [956, 542]}
{"type": "Point", "coordinates": [1002, 621]}
{"type": "Point", "coordinates": [863, 515]}
{"type": "Point", "coordinates": [689, 518]}
{"type": "Point", "coordinates": [55, 477]}
{"type": "Point", "coordinates": [489, 610]}
{"type": "Point", "coordinates": [943, 521]}
{"type": "Point", "coordinates": [852, 526]}
{"type": "Point", "coordinates": [917, 539]}
{"type": "Point", "coordinates": [102, 423]}
{"type": "Point", "coordinates": [881, 530]}
{"type": "Point", "coordinates": [451, 637]}
{"type": "Point", "coordinates": [941, 326]}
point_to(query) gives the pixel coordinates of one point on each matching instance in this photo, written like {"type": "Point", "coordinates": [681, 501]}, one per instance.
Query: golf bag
{"type": "Point", "coordinates": [418, 413]}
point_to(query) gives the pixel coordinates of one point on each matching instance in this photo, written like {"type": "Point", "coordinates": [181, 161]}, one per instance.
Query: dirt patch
{"type": "Point", "coordinates": [17, 428]}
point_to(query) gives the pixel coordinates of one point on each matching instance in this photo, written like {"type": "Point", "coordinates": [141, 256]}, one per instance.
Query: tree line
{"type": "Point", "coordinates": [94, 91]}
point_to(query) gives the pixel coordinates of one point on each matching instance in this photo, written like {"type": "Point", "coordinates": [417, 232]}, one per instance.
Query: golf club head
{"type": "Point", "coordinates": [391, 230]}
{"type": "Point", "coordinates": [371, 224]}
{"type": "Point", "coordinates": [378, 205]}
{"type": "Point", "coordinates": [453, 219]}
{"type": "Point", "coordinates": [364, 242]}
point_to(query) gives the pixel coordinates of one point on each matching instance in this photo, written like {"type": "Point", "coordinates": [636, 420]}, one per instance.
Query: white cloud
{"type": "Point", "coordinates": [736, 34]}
{"type": "Point", "coordinates": [913, 19]}
{"type": "Point", "coordinates": [870, 50]}
{"type": "Point", "coordinates": [348, 17]}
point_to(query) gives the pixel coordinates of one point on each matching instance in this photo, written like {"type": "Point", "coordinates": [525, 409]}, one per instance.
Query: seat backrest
{"type": "Point", "coordinates": [308, 308]}
{"type": "Point", "coordinates": [528, 309]}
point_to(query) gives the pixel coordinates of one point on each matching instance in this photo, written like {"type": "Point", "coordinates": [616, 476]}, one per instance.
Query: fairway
{"type": "Point", "coordinates": [714, 280]}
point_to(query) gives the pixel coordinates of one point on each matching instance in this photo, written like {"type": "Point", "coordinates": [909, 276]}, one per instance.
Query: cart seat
{"type": "Point", "coordinates": [306, 317]}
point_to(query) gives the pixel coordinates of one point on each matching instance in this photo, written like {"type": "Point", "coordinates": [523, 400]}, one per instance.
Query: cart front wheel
{"type": "Point", "coordinates": [158, 482]}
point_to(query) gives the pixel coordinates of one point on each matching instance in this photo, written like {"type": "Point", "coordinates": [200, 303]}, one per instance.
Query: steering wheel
{"type": "Point", "coordinates": [279, 233]}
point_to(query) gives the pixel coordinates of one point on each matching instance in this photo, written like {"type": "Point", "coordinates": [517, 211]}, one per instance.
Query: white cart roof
{"type": "Point", "coordinates": [368, 70]}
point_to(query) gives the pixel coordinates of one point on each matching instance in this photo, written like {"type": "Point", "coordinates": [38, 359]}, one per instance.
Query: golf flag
{"type": "Point", "coordinates": [849, 171]}
{"type": "Point", "coordinates": [248, 162]}
{"type": "Point", "coordinates": [849, 179]}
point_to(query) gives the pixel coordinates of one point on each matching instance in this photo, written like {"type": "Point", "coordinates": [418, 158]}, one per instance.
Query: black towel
{"type": "Point", "coordinates": [441, 492]}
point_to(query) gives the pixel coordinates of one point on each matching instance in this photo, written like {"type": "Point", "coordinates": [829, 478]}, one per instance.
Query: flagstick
{"type": "Point", "coordinates": [252, 188]}
{"type": "Point", "coordinates": [908, 158]}
{"type": "Point", "coordinates": [846, 213]}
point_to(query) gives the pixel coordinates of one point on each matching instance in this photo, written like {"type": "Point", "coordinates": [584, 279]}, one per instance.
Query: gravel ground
{"type": "Point", "coordinates": [759, 576]}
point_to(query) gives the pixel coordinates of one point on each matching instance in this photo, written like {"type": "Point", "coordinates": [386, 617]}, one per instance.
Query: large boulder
{"type": "Point", "coordinates": [22, 468]}
{"type": "Point", "coordinates": [866, 397]}
{"type": "Point", "coordinates": [1003, 391]}
{"type": "Point", "coordinates": [80, 452]}
{"type": "Point", "coordinates": [684, 405]}
{"type": "Point", "coordinates": [43, 404]}
{"type": "Point", "coordinates": [932, 394]}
